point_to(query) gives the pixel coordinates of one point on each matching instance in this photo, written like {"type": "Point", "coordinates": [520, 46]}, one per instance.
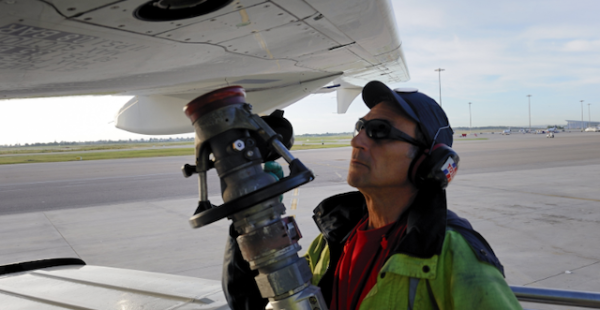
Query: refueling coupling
{"type": "Point", "coordinates": [240, 142]}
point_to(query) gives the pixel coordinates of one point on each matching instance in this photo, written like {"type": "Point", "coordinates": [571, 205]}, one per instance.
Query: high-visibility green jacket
{"type": "Point", "coordinates": [441, 263]}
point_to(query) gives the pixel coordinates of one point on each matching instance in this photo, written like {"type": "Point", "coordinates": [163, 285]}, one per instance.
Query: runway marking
{"type": "Point", "coordinates": [294, 203]}
{"type": "Point", "coordinates": [338, 174]}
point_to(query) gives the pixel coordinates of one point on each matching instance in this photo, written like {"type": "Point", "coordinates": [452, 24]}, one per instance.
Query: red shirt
{"type": "Point", "coordinates": [364, 254]}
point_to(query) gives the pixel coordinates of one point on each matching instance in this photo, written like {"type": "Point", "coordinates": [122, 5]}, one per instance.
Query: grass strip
{"type": "Point", "coordinates": [83, 148]}
{"type": "Point", "coordinates": [119, 154]}
{"type": "Point", "coordinates": [46, 158]}
{"type": "Point", "coordinates": [298, 147]}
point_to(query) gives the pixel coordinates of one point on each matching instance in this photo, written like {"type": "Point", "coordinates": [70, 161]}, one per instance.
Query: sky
{"type": "Point", "coordinates": [493, 54]}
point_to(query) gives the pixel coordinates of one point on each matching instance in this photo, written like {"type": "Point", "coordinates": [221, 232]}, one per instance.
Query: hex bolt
{"type": "Point", "coordinates": [249, 153]}
{"type": "Point", "coordinates": [313, 300]}
{"type": "Point", "coordinates": [239, 145]}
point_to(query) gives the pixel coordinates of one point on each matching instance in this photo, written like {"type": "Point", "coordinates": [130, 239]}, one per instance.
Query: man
{"type": "Point", "coordinates": [393, 244]}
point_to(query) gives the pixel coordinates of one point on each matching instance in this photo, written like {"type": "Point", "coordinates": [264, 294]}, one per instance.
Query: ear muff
{"type": "Point", "coordinates": [435, 167]}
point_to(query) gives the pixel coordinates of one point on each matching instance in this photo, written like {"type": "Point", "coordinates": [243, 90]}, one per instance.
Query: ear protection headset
{"type": "Point", "coordinates": [435, 166]}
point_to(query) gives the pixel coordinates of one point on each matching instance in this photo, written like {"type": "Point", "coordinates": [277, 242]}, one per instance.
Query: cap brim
{"type": "Point", "coordinates": [375, 92]}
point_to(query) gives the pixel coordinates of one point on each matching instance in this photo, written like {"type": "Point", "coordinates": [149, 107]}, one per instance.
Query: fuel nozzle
{"type": "Point", "coordinates": [240, 142]}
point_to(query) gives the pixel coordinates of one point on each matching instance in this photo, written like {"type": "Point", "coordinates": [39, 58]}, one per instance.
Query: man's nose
{"type": "Point", "coordinates": [360, 140]}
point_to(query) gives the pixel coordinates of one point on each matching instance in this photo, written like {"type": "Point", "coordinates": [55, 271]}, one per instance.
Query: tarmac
{"type": "Point", "coordinates": [534, 199]}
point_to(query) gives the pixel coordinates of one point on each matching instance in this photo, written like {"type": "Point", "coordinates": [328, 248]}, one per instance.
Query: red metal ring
{"type": "Point", "coordinates": [215, 99]}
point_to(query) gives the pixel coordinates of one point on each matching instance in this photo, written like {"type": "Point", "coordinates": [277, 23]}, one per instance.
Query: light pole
{"type": "Point", "coordinates": [589, 115]}
{"type": "Point", "coordinates": [439, 70]}
{"type": "Point", "coordinates": [529, 99]}
{"type": "Point", "coordinates": [470, 124]}
{"type": "Point", "coordinates": [581, 114]}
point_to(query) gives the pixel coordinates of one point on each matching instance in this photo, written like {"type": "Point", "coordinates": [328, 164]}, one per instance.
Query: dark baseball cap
{"type": "Point", "coordinates": [422, 109]}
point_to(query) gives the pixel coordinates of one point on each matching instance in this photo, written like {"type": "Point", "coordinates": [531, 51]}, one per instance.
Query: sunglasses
{"type": "Point", "coordinates": [379, 129]}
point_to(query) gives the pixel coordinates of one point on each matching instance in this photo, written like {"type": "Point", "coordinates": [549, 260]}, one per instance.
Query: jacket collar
{"type": "Point", "coordinates": [336, 216]}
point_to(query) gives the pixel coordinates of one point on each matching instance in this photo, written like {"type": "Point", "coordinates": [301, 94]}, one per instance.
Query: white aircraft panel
{"type": "Point", "coordinates": [107, 50]}
{"type": "Point", "coordinates": [362, 53]}
{"type": "Point", "coordinates": [62, 57]}
{"type": "Point", "coordinates": [120, 16]}
{"type": "Point", "coordinates": [298, 8]}
{"type": "Point", "coordinates": [70, 8]}
{"type": "Point", "coordinates": [325, 27]}
{"type": "Point", "coordinates": [92, 287]}
{"type": "Point", "coordinates": [154, 115]}
{"type": "Point", "coordinates": [275, 80]}
{"type": "Point", "coordinates": [345, 96]}
{"type": "Point", "coordinates": [339, 59]}
{"type": "Point", "coordinates": [233, 25]}
{"type": "Point", "coordinates": [354, 67]}
{"type": "Point", "coordinates": [277, 42]}
{"type": "Point", "coordinates": [30, 10]}
{"type": "Point", "coordinates": [162, 115]}
{"type": "Point", "coordinates": [389, 56]}
{"type": "Point", "coordinates": [265, 101]}
{"type": "Point", "coordinates": [46, 60]}
{"type": "Point", "coordinates": [369, 23]}
{"type": "Point", "coordinates": [11, 302]}
{"type": "Point", "coordinates": [394, 72]}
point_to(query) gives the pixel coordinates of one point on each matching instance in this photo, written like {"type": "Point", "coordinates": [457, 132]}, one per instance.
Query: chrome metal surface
{"type": "Point", "coordinates": [238, 145]}
{"type": "Point", "coordinates": [202, 186]}
{"type": "Point", "coordinates": [557, 297]}
{"type": "Point", "coordinates": [268, 242]}
{"type": "Point", "coordinates": [284, 152]}
{"type": "Point", "coordinates": [284, 280]}
{"type": "Point", "coordinates": [308, 299]}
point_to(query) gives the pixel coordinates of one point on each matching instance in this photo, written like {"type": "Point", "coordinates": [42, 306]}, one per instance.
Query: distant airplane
{"type": "Point", "coordinates": [506, 132]}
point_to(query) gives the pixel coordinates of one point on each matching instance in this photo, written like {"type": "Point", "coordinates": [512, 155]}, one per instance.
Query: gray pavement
{"type": "Point", "coordinates": [534, 199]}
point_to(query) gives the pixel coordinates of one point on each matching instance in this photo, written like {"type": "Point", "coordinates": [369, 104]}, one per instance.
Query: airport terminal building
{"type": "Point", "coordinates": [571, 124]}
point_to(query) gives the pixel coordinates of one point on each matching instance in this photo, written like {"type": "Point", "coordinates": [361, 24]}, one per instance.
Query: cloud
{"type": "Point", "coordinates": [494, 54]}
{"type": "Point", "coordinates": [582, 46]}
{"type": "Point", "coordinates": [558, 32]}
{"type": "Point", "coordinates": [414, 15]}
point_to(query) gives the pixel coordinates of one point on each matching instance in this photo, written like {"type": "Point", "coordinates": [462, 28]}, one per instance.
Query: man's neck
{"type": "Point", "coordinates": [386, 205]}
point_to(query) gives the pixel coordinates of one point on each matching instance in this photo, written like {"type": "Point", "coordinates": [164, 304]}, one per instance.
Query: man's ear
{"type": "Point", "coordinates": [435, 167]}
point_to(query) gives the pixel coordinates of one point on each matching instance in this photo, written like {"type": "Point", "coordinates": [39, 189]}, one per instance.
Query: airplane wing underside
{"type": "Point", "coordinates": [279, 50]}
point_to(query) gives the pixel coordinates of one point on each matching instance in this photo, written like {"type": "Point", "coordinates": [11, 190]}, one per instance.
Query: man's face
{"type": "Point", "coordinates": [382, 163]}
